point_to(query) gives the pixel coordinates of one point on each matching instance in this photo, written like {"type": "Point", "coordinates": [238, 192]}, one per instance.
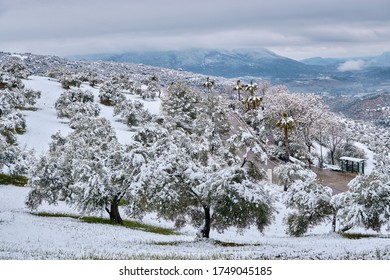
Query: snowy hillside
{"type": "Point", "coordinates": [44, 123]}
{"type": "Point", "coordinates": [28, 236]}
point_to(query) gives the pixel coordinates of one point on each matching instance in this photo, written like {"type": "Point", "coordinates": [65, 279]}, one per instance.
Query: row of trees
{"type": "Point", "coordinates": [14, 97]}
{"type": "Point", "coordinates": [111, 90]}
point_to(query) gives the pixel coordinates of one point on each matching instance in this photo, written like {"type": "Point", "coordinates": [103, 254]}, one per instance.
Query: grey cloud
{"type": "Point", "coordinates": [69, 27]}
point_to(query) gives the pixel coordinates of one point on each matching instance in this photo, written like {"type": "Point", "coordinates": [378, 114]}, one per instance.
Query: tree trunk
{"type": "Point", "coordinates": [309, 151]}
{"type": "Point", "coordinates": [115, 216]}
{"type": "Point", "coordinates": [334, 220]}
{"type": "Point", "coordinates": [207, 221]}
{"type": "Point", "coordinates": [332, 156]}
{"type": "Point", "coordinates": [286, 144]}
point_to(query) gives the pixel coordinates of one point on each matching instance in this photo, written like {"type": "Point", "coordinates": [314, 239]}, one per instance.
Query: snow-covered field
{"type": "Point", "coordinates": [27, 236]}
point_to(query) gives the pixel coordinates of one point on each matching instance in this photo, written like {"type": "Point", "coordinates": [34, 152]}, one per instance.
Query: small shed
{"type": "Point", "coordinates": [353, 165]}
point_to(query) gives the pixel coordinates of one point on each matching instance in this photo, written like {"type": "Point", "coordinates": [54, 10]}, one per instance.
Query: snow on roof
{"type": "Point", "coordinates": [353, 159]}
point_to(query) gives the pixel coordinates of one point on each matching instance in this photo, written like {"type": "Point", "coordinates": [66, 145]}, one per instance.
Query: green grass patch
{"type": "Point", "coordinates": [106, 103]}
{"type": "Point", "coordinates": [167, 243]}
{"type": "Point", "coordinates": [229, 244]}
{"type": "Point", "coordinates": [234, 244]}
{"type": "Point", "coordinates": [16, 180]}
{"type": "Point", "coordinates": [149, 228]}
{"type": "Point", "coordinates": [55, 215]}
{"type": "Point", "coordinates": [20, 131]}
{"type": "Point", "coordinates": [210, 241]}
{"type": "Point", "coordinates": [33, 109]}
{"type": "Point", "coordinates": [126, 223]}
{"type": "Point", "coordinates": [357, 235]}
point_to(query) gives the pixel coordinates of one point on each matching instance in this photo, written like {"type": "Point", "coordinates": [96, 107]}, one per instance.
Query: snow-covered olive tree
{"type": "Point", "coordinates": [366, 203]}
{"type": "Point", "coordinates": [89, 76]}
{"type": "Point", "coordinates": [153, 88]}
{"type": "Point", "coordinates": [10, 118]}
{"type": "Point", "coordinates": [311, 202]}
{"type": "Point", "coordinates": [179, 105]}
{"type": "Point", "coordinates": [14, 96]}
{"type": "Point", "coordinates": [57, 73]}
{"type": "Point", "coordinates": [16, 159]}
{"type": "Point", "coordinates": [76, 101]}
{"type": "Point", "coordinates": [123, 82]}
{"type": "Point", "coordinates": [16, 68]}
{"type": "Point", "coordinates": [132, 112]}
{"type": "Point", "coordinates": [187, 183]}
{"type": "Point", "coordinates": [89, 169]}
{"type": "Point", "coordinates": [288, 173]}
{"type": "Point", "coordinates": [68, 81]}
{"type": "Point", "coordinates": [110, 95]}
{"type": "Point", "coordinates": [15, 93]}
{"type": "Point", "coordinates": [12, 123]}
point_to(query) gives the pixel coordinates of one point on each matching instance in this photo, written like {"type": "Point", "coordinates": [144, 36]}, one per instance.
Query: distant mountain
{"type": "Point", "coordinates": [382, 60]}
{"type": "Point", "coordinates": [320, 61]}
{"type": "Point", "coordinates": [217, 62]}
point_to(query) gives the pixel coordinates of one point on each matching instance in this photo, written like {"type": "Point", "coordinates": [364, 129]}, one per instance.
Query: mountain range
{"type": "Point", "coordinates": [351, 76]}
{"type": "Point", "coordinates": [215, 62]}
{"type": "Point", "coordinates": [239, 62]}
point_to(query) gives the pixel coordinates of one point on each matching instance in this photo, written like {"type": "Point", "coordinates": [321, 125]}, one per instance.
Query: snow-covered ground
{"type": "Point", "coordinates": [27, 236]}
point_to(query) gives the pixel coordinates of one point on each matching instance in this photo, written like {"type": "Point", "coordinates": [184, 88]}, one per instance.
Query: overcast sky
{"type": "Point", "coordinates": [293, 28]}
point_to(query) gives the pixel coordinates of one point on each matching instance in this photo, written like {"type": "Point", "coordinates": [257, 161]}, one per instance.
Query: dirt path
{"type": "Point", "coordinates": [336, 180]}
